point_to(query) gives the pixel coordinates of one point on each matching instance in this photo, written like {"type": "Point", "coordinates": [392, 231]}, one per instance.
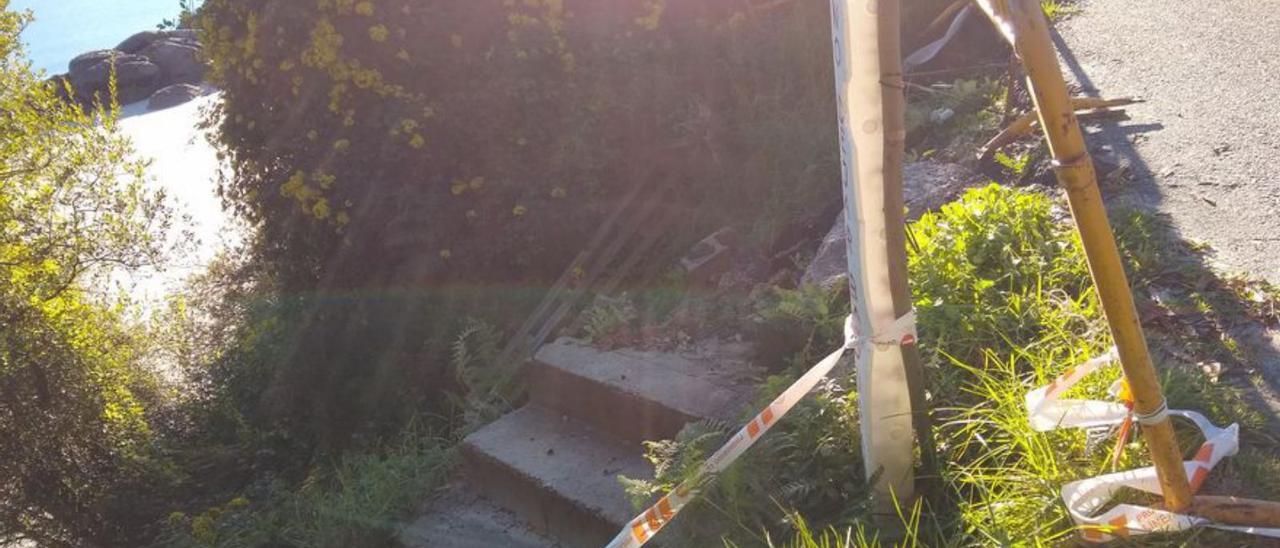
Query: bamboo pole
{"type": "Point", "coordinates": [1023, 23]}
{"type": "Point", "coordinates": [888, 19]}
{"type": "Point", "coordinates": [870, 102]}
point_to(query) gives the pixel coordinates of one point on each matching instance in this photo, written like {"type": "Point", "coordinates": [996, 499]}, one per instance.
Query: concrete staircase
{"type": "Point", "coordinates": [553, 464]}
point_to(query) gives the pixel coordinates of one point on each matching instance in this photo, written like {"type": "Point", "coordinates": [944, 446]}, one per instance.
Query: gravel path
{"type": "Point", "coordinates": [1203, 147]}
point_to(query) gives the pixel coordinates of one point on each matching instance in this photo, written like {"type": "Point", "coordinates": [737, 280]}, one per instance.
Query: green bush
{"type": "Point", "coordinates": [360, 500]}
{"type": "Point", "coordinates": [76, 405]}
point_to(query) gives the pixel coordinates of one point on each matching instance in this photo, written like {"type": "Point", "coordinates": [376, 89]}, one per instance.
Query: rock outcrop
{"type": "Point", "coordinates": [145, 64]}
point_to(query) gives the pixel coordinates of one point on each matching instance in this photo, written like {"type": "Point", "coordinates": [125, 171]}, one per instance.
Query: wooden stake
{"type": "Point", "coordinates": [1023, 23]}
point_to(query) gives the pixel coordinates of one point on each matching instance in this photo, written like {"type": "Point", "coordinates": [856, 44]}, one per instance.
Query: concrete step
{"type": "Point", "coordinates": [638, 395]}
{"type": "Point", "coordinates": [461, 518]}
{"type": "Point", "coordinates": [558, 474]}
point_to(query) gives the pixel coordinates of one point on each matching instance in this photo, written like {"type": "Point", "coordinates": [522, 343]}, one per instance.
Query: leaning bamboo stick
{"type": "Point", "coordinates": [1023, 23]}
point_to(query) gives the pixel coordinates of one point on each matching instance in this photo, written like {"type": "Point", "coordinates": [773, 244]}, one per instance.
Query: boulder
{"type": "Point", "coordinates": [179, 62]}
{"type": "Point", "coordinates": [172, 96]}
{"type": "Point", "coordinates": [96, 74]}
{"type": "Point", "coordinates": [135, 43]}
{"type": "Point", "coordinates": [136, 79]}
{"type": "Point", "coordinates": [927, 185]}
{"type": "Point", "coordinates": [86, 60]}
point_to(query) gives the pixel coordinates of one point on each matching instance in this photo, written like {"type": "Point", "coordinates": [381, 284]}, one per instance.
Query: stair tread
{"type": "Point", "coordinates": [461, 518]}
{"type": "Point", "coordinates": [714, 383]}
{"type": "Point", "coordinates": [564, 456]}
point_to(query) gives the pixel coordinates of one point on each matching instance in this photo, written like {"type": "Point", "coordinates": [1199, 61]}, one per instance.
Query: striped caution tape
{"type": "Point", "coordinates": [1086, 498]}
{"type": "Point", "coordinates": [639, 530]}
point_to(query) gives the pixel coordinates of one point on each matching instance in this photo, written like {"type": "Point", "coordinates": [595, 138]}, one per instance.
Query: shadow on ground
{"type": "Point", "coordinates": [1195, 316]}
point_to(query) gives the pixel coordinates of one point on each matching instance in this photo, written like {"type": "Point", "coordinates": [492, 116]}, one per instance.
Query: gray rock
{"type": "Point", "coordinates": [172, 96]}
{"type": "Point", "coordinates": [135, 43]}
{"type": "Point", "coordinates": [89, 59]}
{"type": "Point", "coordinates": [179, 62]}
{"type": "Point", "coordinates": [927, 185]}
{"type": "Point", "coordinates": [136, 79]}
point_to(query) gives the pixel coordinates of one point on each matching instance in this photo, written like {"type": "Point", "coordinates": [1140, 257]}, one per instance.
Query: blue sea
{"type": "Point", "coordinates": [66, 28]}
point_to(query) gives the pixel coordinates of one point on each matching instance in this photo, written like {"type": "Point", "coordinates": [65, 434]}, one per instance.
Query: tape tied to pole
{"type": "Point", "coordinates": [1160, 414]}
{"type": "Point", "coordinates": [643, 527]}
{"type": "Point", "coordinates": [1086, 498]}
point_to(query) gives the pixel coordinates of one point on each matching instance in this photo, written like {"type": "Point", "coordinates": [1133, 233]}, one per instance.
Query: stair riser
{"type": "Point", "coordinates": [626, 417]}
{"type": "Point", "coordinates": [541, 508]}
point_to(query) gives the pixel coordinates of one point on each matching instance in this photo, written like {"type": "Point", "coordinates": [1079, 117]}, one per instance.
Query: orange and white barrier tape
{"type": "Point", "coordinates": [1084, 498]}
{"type": "Point", "coordinates": [639, 530]}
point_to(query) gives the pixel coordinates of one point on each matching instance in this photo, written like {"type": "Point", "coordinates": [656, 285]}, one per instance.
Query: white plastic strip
{"type": "Point", "coordinates": [1085, 498]}
{"type": "Point", "coordinates": [932, 49]}
{"type": "Point", "coordinates": [639, 530]}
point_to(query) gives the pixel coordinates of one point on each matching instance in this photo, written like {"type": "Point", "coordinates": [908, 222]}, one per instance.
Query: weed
{"type": "Point", "coordinates": [489, 388]}
{"type": "Point", "coordinates": [1015, 165]}
{"type": "Point", "coordinates": [607, 316]}
{"type": "Point", "coordinates": [1057, 9]}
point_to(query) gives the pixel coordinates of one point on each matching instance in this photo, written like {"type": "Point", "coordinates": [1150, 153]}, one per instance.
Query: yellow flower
{"type": "Point", "coordinates": [312, 135]}
{"type": "Point", "coordinates": [518, 210]}
{"type": "Point", "coordinates": [417, 141]}
{"type": "Point", "coordinates": [342, 218]}
{"type": "Point", "coordinates": [238, 502]}
{"type": "Point", "coordinates": [341, 145]}
{"type": "Point", "coordinates": [476, 183]}
{"type": "Point", "coordinates": [458, 187]}
{"type": "Point", "coordinates": [445, 254]}
{"type": "Point", "coordinates": [402, 55]}
{"type": "Point", "coordinates": [295, 183]}
{"type": "Point", "coordinates": [653, 18]}
{"type": "Point", "coordinates": [364, 8]}
{"type": "Point", "coordinates": [378, 33]}
{"type": "Point", "coordinates": [321, 209]}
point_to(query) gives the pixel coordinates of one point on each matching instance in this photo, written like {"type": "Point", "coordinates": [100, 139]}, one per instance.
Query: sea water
{"type": "Point", "coordinates": [66, 28]}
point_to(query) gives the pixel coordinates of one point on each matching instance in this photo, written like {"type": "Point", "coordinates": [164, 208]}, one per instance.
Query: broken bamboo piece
{"type": "Point", "coordinates": [1023, 24]}
{"type": "Point", "coordinates": [1236, 511]}
{"type": "Point", "coordinates": [1026, 123]}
